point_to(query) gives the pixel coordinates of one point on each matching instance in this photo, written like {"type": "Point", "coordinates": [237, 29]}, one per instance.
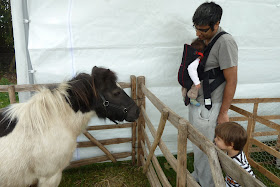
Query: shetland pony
{"type": "Point", "coordinates": [38, 138]}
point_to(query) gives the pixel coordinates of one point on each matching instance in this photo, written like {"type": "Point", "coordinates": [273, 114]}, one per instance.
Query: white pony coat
{"type": "Point", "coordinates": [46, 132]}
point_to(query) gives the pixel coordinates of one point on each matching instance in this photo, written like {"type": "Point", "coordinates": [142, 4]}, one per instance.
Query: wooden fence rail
{"type": "Point", "coordinates": [161, 175]}
{"type": "Point", "coordinates": [252, 118]}
{"type": "Point", "coordinates": [161, 126]}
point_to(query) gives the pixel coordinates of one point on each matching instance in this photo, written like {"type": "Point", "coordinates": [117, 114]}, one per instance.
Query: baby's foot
{"type": "Point", "coordinates": [194, 102]}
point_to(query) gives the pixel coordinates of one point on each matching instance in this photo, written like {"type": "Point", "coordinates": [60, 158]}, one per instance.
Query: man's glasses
{"type": "Point", "coordinates": [201, 30]}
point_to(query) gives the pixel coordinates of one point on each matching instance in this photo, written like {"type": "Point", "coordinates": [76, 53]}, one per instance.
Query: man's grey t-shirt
{"type": "Point", "coordinates": [224, 54]}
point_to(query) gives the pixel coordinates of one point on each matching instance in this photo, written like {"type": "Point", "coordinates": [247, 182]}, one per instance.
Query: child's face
{"type": "Point", "coordinates": [221, 144]}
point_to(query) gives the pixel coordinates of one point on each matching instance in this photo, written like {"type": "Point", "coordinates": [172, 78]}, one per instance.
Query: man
{"type": "Point", "coordinates": [224, 54]}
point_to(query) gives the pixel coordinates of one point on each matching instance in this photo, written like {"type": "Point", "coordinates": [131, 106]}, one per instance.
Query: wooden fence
{"type": "Point", "coordinates": [218, 160]}
{"type": "Point", "coordinates": [12, 89]}
{"type": "Point", "coordinates": [252, 118]}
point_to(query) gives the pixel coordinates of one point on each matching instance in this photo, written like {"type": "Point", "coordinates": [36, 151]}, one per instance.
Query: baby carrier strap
{"type": "Point", "coordinates": [216, 74]}
{"type": "Point", "coordinates": [208, 49]}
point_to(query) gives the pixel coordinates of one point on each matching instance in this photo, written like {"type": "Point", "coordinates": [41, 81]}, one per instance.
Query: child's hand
{"type": "Point", "coordinates": [198, 86]}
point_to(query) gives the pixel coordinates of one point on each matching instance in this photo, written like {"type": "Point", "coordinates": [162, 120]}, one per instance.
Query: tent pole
{"type": "Point", "coordinates": [20, 32]}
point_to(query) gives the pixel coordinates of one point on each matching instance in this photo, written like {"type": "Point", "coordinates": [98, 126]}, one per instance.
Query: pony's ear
{"type": "Point", "coordinates": [106, 74]}
{"type": "Point", "coordinates": [93, 70]}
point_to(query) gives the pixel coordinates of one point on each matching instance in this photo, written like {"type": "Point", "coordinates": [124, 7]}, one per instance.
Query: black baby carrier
{"type": "Point", "coordinates": [189, 55]}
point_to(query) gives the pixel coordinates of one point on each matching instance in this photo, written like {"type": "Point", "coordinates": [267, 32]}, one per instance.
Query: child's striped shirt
{"type": "Point", "coordinates": [240, 159]}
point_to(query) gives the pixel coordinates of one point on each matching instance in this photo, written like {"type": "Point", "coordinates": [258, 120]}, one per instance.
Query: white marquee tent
{"type": "Point", "coordinates": [56, 39]}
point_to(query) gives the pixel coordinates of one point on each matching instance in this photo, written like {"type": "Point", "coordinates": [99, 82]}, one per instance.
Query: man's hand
{"type": "Point", "coordinates": [222, 118]}
{"type": "Point", "coordinates": [231, 81]}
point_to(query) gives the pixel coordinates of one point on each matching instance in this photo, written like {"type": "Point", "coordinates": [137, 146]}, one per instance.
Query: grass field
{"type": "Point", "coordinates": [120, 174]}
{"type": "Point", "coordinates": [116, 175]}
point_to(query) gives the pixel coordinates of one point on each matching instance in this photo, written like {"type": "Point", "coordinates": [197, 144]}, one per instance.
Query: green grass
{"type": "Point", "coordinates": [120, 174]}
{"type": "Point", "coordinates": [117, 175]}
{"type": "Point", "coordinates": [4, 96]}
{"type": "Point", "coordinates": [123, 174]}
{"type": "Point", "coordinates": [170, 173]}
{"type": "Point", "coordinates": [264, 179]}
{"type": "Point", "coordinates": [268, 161]}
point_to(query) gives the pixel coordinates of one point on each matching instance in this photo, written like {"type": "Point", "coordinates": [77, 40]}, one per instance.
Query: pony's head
{"type": "Point", "coordinates": [100, 92]}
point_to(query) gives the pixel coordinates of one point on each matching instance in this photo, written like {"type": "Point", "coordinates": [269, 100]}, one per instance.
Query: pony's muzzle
{"type": "Point", "coordinates": [133, 114]}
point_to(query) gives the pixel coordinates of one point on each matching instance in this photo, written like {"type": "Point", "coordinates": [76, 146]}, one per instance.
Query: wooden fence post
{"type": "Point", "coordinates": [12, 94]}
{"type": "Point", "coordinates": [134, 124]}
{"type": "Point", "coordinates": [182, 154]}
{"type": "Point", "coordinates": [141, 120]}
{"type": "Point", "coordinates": [277, 147]}
{"type": "Point", "coordinates": [251, 129]}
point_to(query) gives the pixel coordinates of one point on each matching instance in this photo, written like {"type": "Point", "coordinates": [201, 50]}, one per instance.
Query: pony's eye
{"type": "Point", "coordinates": [117, 93]}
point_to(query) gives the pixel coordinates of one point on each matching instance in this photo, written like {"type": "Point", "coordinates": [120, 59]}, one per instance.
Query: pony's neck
{"type": "Point", "coordinates": [80, 122]}
{"type": "Point", "coordinates": [81, 95]}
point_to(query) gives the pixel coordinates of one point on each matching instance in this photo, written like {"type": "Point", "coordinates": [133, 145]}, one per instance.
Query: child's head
{"type": "Point", "coordinates": [232, 134]}
{"type": "Point", "coordinates": [198, 44]}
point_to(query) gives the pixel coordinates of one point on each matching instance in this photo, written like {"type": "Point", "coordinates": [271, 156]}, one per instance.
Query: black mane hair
{"type": "Point", "coordinates": [81, 93]}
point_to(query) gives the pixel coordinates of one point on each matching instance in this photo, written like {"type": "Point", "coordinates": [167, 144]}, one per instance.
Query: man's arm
{"type": "Point", "coordinates": [229, 91]}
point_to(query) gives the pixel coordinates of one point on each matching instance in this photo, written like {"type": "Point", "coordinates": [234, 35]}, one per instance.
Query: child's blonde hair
{"type": "Point", "coordinates": [232, 132]}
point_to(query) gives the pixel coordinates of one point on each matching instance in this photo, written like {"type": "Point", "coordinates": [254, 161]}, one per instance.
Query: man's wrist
{"type": "Point", "coordinates": [223, 112]}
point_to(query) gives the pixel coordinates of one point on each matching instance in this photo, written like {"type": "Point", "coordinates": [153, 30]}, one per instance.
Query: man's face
{"type": "Point", "coordinates": [204, 32]}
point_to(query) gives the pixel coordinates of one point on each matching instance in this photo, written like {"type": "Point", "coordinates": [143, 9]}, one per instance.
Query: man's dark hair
{"type": "Point", "coordinates": [207, 14]}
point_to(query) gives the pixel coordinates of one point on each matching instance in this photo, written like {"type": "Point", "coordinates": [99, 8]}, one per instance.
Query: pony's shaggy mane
{"type": "Point", "coordinates": [81, 92]}
{"type": "Point", "coordinates": [42, 108]}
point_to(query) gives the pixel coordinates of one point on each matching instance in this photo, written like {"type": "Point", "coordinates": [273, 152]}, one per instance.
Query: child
{"type": "Point", "coordinates": [192, 70]}
{"type": "Point", "coordinates": [231, 137]}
